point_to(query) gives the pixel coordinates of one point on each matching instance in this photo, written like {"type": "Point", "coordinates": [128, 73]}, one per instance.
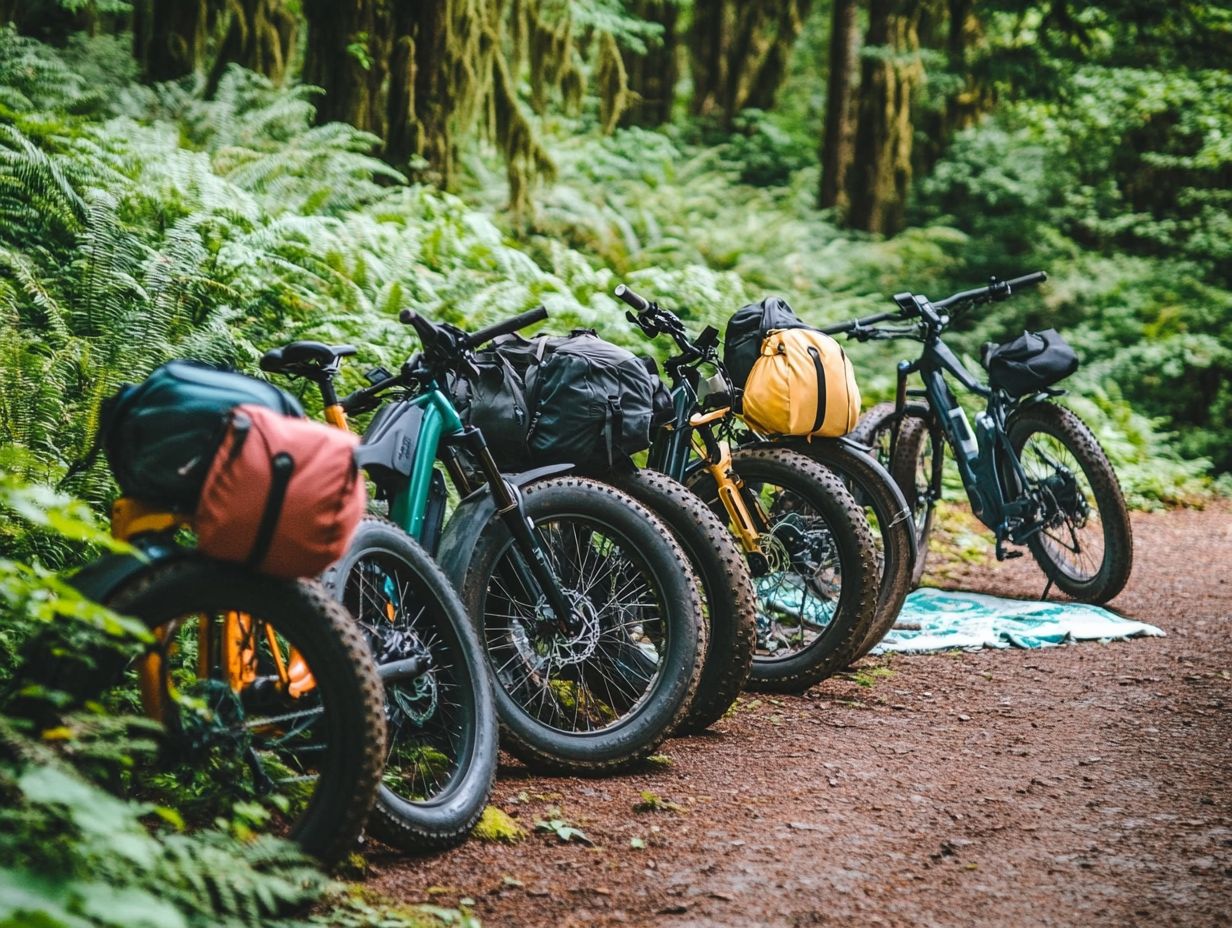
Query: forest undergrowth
{"type": "Point", "coordinates": [143, 222]}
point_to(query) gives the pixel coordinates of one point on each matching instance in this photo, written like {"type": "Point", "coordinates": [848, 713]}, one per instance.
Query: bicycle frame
{"type": "Point", "coordinates": [977, 454]}
{"type": "Point", "coordinates": [691, 431]}
{"type": "Point", "coordinates": [416, 432]}
{"type": "Point", "coordinates": [235, 640]}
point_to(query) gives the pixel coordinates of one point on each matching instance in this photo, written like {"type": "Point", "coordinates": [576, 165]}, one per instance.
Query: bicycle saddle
{"type": "Point", "coordinates": [304, 357]}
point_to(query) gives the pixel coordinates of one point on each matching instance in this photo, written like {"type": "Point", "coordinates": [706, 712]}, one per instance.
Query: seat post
{"type": "Point", "coordinates": [333, 411]}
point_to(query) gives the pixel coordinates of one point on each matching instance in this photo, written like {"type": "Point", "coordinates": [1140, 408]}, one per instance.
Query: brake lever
{"type": "Point", "coordinates": [646, 325]}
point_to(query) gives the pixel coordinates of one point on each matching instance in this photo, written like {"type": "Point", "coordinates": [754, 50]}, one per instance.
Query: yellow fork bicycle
{"type": "Point", "coordinates": [807, 542]}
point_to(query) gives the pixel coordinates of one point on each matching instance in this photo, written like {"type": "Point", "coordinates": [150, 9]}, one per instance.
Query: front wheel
{"type": "Point", "coordinates": [1086, 546]}
{"type": "Point", "coordinates": [603, 692]}
{"type": "Point", "coordinates": [442, 751]}
{"type": "Point", "coordinates": [815, 571]}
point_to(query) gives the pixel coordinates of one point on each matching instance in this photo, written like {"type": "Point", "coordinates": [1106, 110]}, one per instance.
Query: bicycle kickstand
{"type": "Point", "coordinates": [1047, 589]}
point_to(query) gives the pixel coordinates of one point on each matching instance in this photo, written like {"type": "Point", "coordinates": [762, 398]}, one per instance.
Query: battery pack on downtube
{"type": "Point", "coordinates": [962, 429]}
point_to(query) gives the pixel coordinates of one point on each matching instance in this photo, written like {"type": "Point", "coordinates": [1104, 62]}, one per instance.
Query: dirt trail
{"type": "Point", "coordinates": [1084, 785]}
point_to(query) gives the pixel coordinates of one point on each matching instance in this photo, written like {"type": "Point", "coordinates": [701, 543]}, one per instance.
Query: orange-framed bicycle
{"type": "Point", "coordinates": [267, 694]}
{"type": "Point", "coordinates": [808, 544]}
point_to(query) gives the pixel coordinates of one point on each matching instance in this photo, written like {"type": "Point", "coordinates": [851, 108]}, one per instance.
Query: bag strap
{"type": "Point", "coordinates": [613, 427]}
{"type": "Point", "coordinates": [83, 464]}
{"type": "Point", "coordinates": [283, 466]}
{"type": "Point", "coordinates": [107, 414]}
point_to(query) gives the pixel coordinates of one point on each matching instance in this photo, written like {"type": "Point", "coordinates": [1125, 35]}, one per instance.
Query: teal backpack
{"type": "Point", "coordinates": [160, 435]}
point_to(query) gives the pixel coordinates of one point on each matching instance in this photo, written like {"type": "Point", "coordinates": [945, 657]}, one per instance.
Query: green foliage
{"type": "Point", "coordinates": [1120, 189]}
{"type": "Point", "coordinates": [217, 228]}
{"type": "Point", "coordinates": [766, 154]}
{"type": "Point", "coordinates": [75, 855]}
{"type": "Point", "coordinates": [564, 832]}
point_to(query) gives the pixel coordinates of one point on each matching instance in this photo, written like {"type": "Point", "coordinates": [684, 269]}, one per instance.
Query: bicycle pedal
{"type": "Point", "coordinates": [1010, 555]}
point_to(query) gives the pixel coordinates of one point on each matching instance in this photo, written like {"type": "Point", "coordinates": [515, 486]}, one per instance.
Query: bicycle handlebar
{"type": "Point", "coordinates": [483, 336]}
{"type": "Point", "coordinates": [431, 334]}
{"type": "Point", "coordinates": [364, 398]}
{"type": "Point", "coordinates": [995, 291]}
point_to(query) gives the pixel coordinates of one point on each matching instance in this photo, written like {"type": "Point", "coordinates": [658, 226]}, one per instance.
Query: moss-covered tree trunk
{"type": "Point", "coordinates": [880, 176]}
{"type": "Point", "coordinates": [654, 74]}
{"type": "Point", "coordinates": [420, 95]}
{"type": "Point", "coordinates": [838, 133]}
{"type": "Point", "coordinates": [348, 55]}
{"type": "Point", "coordinates": [174, 38]}
{"type": "Point", "coordinates": [954, 29]}
{"type": "Point", "coordinates": [738, 53]}
{"type": "Point", "coordinates": [260, 36]}
{"type": "Point", "coordinates": [707, 43]}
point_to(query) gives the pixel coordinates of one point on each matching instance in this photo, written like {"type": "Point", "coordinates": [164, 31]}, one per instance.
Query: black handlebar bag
{"type": "Point", "coordinates": [1032, 362]}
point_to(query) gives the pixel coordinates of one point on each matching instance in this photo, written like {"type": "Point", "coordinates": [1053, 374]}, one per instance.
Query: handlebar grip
{"type": "Point", "coordinates": [483, 336]}
{"type": "Point", "coordinates": [638, 302]}
{"type": "Point", "coordinates": [1027, 280]}
{"type": "Point", "coordinates": [355, 402]}
{"type": "Point", "coordinates": [424, 328]}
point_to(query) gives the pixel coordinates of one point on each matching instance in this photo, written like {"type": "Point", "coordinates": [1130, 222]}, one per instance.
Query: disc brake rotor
{"type": "Point", "coordinates": [555, 649]}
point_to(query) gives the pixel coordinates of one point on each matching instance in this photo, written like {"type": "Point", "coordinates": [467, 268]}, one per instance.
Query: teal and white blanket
{"type": "Point", "coordinates": [938, 620]}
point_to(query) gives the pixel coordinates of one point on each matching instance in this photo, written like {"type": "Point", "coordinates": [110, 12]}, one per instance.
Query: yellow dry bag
{"type": "Point", "coordinates": [801, 384]}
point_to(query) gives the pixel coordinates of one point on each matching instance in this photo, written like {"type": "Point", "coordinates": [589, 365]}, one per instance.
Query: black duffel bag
{"type": "Point", "coordinates": [573, 399]}
{"type": "Point", "coordinates": [1032, 362]}
{"type": "Point", "coordinates": [748, 328]}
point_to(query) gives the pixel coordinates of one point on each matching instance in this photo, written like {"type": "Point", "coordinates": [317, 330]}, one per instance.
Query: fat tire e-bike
{"type": "Point", "coordinates": [1034, 473]}
{"type": "Point", "coordinates": [585, 607]}
{"type": "Point", "coordinates": [442, 747]}
{"type": "Point", "coordinates": [807, 543]}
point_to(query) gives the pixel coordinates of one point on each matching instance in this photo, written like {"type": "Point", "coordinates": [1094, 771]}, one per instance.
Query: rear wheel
{"type": "Point", "coordinates": [442, 723]}
{"type": "Point", "coordinates": [729, 601]}
{"type": "Point", "coordinates": [816, 574]}
{"type": "Point", "coordinates": [605, 693]}
{"type": "Point", "coordinates": [888, 515]}
{"type": "Point", "coordinates": [914, 458]}
{"type": "Point", "coordinates": [1086, 544]}
{"type": "Point", "coordinates": [267, 694]}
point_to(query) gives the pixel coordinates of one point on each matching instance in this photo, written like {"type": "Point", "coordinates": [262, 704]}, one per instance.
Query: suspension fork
{"type": "Point", "coordinates": [533, 568]}
{"type": "Point", "coordinates": [716, 458]}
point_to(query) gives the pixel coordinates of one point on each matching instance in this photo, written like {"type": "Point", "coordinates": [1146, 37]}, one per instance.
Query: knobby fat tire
{"type": "Point", "coordinates": [857, 553]}
{"type": "Point", "coordinates": [1065, 426]}
{"type": "Point", "coordinates": [730, 600]}
{"type": "Point", "coordinates": [637, 737]}
{"type": "Point", "coordinates": [341, 664]}
{"type": "Point", "coordinates": [441, 821]}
